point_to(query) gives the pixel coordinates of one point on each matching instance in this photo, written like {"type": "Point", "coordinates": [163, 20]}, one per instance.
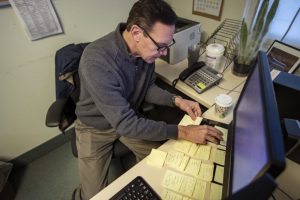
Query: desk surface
{"type": "Point", "coordinates": [233, 86]}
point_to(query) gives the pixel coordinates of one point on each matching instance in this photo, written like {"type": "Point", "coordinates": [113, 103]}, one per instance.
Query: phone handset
{"type": "Point", "coordinates": [188, 71]}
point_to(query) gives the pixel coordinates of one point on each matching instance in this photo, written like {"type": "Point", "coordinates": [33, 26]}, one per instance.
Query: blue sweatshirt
{"type": "Point", "coordinates": [114, 84]}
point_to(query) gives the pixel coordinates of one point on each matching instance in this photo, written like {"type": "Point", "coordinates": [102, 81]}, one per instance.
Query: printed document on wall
{"type": "Point", "coordinates": [38, 18]}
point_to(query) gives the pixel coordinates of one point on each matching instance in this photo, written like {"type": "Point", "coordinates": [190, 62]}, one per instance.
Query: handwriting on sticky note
{"type": "Point", "coordinates": [193, 167]}
{"type": "Point", "coordinates": [172, 180]}
{"type": "Point", "coordinates": [199, 190]}
{"type": "Point", "coordinates": [193, 149]}
{"type": "Point", "coordinates": [215, 191]}
{"type": "Point", "coordinates": [219, 157]}
{"type": "Point", "coordinates": [203, 152]}
{"type": "Point", "coordinates": [156, 158]}
{"type": "Point", "coordinates": [170, 195]}
{"type": "Point", "coordinates": [206, 172]}
{"type": "Point", "coordinates": [174, 158]}
{"type": "Point", "coordinates": [219, 174]}
{"type": "Point", "coordinates": [188, 185]}
{"type": "Point", "coordinates": [187, 120]}
{"type": "Point", "coordinates": [183, 163]}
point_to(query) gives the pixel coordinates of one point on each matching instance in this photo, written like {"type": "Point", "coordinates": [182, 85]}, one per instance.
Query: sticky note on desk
{"type": "Point", "coordinates": [219, 174]}
{"type": "Point", "coordinates": [193, 167]}
{"type": "Point", "coordinates": [215, 191]}
{"type": "Point", "coordinates": [156, 158]}
{"type": "Point", "coordinates": [172, 180]}
{"type": "Point", "coordinates": [199, 190]}
{"type": "Point", "coordinates": [187, 185]}
{"type": "Point", "coordinates": [219, 157]}
{"type": "Point", "coordinates": [206, 172]}
{"type": "Point", "coordinates": [170, 195]}
{"type": "Point", "coordinates": [183, 145]}
{"type": "Point", "coordinates": [187, 120]}
{"type": "Point", "coordinates": [174, 159]}
{"type": "Point", "coordinates": [203, 152]}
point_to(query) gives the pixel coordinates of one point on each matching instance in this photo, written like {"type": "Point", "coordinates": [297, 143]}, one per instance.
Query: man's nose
{"type": "Point", "coordinates": [163, 52]}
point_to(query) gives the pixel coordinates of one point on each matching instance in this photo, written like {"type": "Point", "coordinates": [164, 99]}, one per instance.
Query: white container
{"type": "Point", "coordinates": [214, 54]}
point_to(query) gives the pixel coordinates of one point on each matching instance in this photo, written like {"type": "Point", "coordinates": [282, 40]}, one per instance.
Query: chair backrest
{"type": "Point", "coordinates": [67, 80]}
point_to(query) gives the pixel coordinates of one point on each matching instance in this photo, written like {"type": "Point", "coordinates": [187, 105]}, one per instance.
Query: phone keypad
{"type": "Point", "coordinates": [203, 79]}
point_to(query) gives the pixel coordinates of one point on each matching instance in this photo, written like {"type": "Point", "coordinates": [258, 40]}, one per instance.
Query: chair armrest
{"type": "Point", "coordinates": [55, 112]}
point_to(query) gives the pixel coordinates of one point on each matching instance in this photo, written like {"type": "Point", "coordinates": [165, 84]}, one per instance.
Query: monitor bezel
{"type": "Point", "coordinates": [276, 162]}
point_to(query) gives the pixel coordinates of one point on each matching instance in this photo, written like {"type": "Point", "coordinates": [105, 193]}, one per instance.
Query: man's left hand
{"type": "Point", "coordinates": [192, 108]}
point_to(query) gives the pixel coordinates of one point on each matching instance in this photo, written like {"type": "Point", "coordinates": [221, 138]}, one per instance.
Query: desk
{"type": "Point", "coordinates": [155, 175]}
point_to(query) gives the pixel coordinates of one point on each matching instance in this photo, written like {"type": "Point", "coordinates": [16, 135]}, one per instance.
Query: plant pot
{"type": "Point", "coordinates": [241, 70]}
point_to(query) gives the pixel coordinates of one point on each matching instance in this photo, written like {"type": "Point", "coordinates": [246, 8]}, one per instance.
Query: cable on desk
{"type": "Point", "coordinates": [285, 193]}
{"type": "Point", "coordinates": [233, 89]}
{"type": "Point", "coordinates": [175, 82]}
{"type": "Point", "coordinates": [228, 89]}
{"type": "Point", "coordinates": [273, 197]}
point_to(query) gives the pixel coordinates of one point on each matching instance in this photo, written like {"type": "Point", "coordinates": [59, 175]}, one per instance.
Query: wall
{"type": "Point", "coordinates": [232, 9]}
{"type": "Point", "coordinates": [27, 68]}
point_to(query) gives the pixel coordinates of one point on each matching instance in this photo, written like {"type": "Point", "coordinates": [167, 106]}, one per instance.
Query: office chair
{"type": "Point", "coordinates": [61, 113]}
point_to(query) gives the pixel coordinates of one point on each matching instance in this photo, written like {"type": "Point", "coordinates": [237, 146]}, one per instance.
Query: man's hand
{"type": "Point", "coordinates": [192, 108]}
{"type": "Point", "coordinates": [200, 134]}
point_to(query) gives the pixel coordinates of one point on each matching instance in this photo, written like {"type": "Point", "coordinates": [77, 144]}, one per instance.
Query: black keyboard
{"type": "Point", "coordinates": [137, 189]}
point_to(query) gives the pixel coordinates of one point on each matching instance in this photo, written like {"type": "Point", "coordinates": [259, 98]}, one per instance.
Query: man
{"type": "Point", "coordinates": [117, 75]}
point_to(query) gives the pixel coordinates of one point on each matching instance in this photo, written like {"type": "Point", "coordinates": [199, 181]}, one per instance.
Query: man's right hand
{"type": "Point", "coordinates": [200, 134]}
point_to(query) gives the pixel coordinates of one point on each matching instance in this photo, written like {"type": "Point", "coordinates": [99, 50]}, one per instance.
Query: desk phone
{"type": "Point", "coordinates": [200, 77]}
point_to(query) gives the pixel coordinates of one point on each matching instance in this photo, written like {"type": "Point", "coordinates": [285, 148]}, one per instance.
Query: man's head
{"type": "Point", "coordinates": [151, 24]}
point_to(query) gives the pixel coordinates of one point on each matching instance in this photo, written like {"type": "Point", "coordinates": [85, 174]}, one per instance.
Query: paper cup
{"type": "Point", "coordinates": [223, 104]}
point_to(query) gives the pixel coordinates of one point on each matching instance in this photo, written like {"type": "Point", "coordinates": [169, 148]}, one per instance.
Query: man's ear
{"type": "Point", "coordinates": [136, 33]}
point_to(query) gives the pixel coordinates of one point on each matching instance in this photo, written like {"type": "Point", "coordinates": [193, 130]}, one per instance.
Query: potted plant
{"type": "Point", "coordinates": [250, 39]}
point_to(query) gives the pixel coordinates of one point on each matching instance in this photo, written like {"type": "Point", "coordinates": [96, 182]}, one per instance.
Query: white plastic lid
{"type": "Point", "coordinates": [223, 100]}
{"type": "Point", "coordinates": [215, 48]}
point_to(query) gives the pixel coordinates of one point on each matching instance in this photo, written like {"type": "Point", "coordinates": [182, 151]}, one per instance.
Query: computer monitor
{"type": "Point", "coordinates": [256, 145]}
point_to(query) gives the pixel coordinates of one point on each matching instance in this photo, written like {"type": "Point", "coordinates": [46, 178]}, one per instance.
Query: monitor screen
{"type": "Point", "coordinates": [253, 145]}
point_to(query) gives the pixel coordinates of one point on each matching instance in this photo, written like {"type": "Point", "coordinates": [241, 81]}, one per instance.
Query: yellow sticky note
{"type": "Point", "coordinates": [183, 163]}
{"type": "Point", "coordinates": [201, 85]}
{"type": "Point", "coordinates": [187, 186]}
{"type": "Point", "coordinates": [172, 180]}
{"type": "Point", "coordinates": [203, 152]}
{"type": "Point", "coordinates": [156, 158]}
{"type": "Point", "coordinates": [193, 149]}
{"type": "Point", "coordinates": [206, 172]}
{"type": "Point", "coordinates": [199, 190]}
{"type": "Point", "coordinates": [170, 195]}
{"type": "Point", "coordinates": [183, 145]}
{"type": "Point", "coordinates": [219, 157]}
{"type": "Point", "coordinates": [187, 120]}
{"type": "Point", "coordinates": [215, 191]}
{"type": "Point", "coordinates": [219, 174]}
{"type": "Point", "coordinates": [174, 159]}
{"type": "Point", "coordinates": [193, 167]}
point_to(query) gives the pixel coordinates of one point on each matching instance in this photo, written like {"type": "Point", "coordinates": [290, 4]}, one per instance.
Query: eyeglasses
{"type": "Point", "coordinates": [159, 48]}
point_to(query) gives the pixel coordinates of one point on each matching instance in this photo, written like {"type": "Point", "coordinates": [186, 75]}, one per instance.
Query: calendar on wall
{"type": "Point", "coordinates": [208, 8]}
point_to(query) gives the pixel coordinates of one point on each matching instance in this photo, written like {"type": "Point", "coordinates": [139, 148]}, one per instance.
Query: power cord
{"type": "Point", "coordinates": [175, 82]}
{"type": "Point", "coordinates": [285, 193]}
{"type": "Point", "coordinates": [233, 89]}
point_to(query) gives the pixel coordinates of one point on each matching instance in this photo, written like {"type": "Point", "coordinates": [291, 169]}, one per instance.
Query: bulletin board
{"type": "Point", "coordinates": [208, 8]}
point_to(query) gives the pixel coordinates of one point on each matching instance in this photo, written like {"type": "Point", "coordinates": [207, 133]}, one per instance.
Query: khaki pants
{"type": "Point", "coordinates": [95, 153]}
